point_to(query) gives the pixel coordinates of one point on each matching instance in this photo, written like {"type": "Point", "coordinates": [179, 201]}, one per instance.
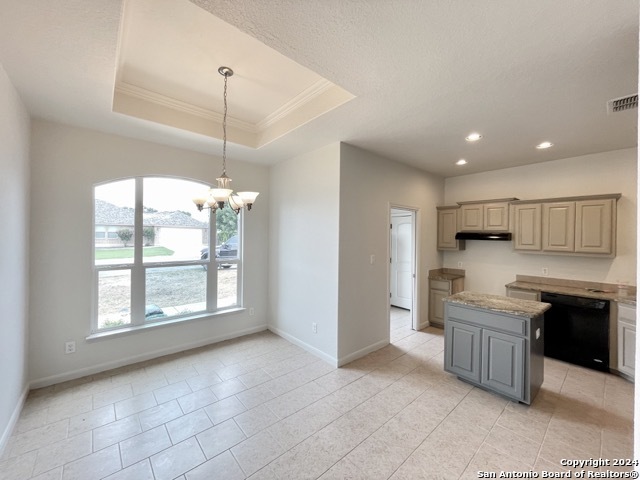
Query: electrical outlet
{"type": "Point", "coordinates": [545, 271]}
{"type": "Point", "coordinates": [69, 347]}
{"type": "Point", "coordinates": [459, 264]}
{"type": "Point", "coordinates": [314, 327]}
{"type": "Point", "coordinates": [252, 312]}
{"type": "Point", "coordinates": [372, 259]}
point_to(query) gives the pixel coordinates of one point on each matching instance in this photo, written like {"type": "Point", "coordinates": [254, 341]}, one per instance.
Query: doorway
{"type": "Point", "coordinates": [402, 272]}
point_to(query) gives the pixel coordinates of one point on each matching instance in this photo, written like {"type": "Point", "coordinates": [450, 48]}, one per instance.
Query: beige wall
{"type": "Point", "coordinates": [490, 265]}
{"type": "Point", "coordinates": [369, 186]}
{"type": "Point", "coordinates": [330, 212]}
{"type": "Point", "coordinates": [14, 254]}
{"type": "Point", "coordinates": [67, 162]}
{"type": "Point", "coordinates": [303, 266]}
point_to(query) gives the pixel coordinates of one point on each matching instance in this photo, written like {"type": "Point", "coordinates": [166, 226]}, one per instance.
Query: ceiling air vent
{"type": "Point", "coordinates": [623, 103]}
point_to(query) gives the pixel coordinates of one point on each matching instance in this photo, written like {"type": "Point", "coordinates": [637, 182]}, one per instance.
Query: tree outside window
{"type": "Point", "coordinates": [125, 235]}
{"type": "Point", "coordinates": [149, 235]}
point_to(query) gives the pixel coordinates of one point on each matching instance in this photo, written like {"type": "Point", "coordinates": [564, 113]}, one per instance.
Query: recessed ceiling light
{"type": "Point", "coordinates": [462, 161]}
{"type": "Point", "coordinates": [473, 137]}
{"type": "Point", "coordinates": [544, 145]}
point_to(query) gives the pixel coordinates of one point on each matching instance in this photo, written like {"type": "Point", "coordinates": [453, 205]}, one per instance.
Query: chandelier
{"type": "Point", "coordinates": [223, 195]}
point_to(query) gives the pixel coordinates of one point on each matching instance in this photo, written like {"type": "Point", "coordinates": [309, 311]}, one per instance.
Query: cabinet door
{"type": "Point", "coordinates": [558, 226]}
{"type": "Point", "coordinates": [436, 306]}
{"type": "Point", "coordinates": [594, 227]}
{"type": "Point", "coordinates": [496, 217]}
{"type": "Point", "coordinates": [527, 220]}
{"type": "Point", "coordinates": [626, 348]}
{"type": "Point", "coordinates": [503, 363]}
{"type": "Point", "coordinates": [447, 229]}
{"type": "Point", "coordinates": [462, 350]}
{"type": "Point", "coordinates": [472, 217]}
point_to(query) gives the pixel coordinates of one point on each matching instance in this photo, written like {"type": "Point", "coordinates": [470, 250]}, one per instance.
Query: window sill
{"type": "Point", "coordinates": [120, 332]}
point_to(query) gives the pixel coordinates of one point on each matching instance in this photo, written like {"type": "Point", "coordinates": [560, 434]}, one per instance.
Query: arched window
{"type": "Point", "coordinates": [153, 260]}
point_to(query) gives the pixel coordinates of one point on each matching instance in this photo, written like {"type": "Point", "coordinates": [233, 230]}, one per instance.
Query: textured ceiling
{"type": "Point", "coordinates": [424, 73]}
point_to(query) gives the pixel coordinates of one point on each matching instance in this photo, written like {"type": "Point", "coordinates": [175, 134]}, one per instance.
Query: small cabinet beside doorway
{"type": "Point", "coordinates": [442, 283]}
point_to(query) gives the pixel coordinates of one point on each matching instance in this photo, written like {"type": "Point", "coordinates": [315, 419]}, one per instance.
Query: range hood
{"type": "Point", "coordinates": [494, 236]}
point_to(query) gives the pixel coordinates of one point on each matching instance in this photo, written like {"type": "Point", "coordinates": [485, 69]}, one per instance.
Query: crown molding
{"type": "Point", "coordinates": [150, 96]}
{"type": "Point", "coordinates": [297, 102]}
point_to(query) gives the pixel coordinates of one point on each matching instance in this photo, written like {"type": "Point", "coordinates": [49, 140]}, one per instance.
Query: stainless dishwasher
{"type": "Point", "coordinates": [576, 330]}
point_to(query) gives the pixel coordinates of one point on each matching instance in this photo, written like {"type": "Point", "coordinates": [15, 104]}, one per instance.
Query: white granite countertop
{"type": "Point", "coordinates": [600, 293]}
{"type": "Point", "coordinates": [446, 274]}
{"type": "Point", "coordinates": [498, 303]}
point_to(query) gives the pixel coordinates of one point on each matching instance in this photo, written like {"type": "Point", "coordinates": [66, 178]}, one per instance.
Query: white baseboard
{"type": "Point", "coordinates": [423, 325]}
{"type": "Point", "coordinates": [121, 362]}
{"type": "Point", "coordinates": [309, 348]}
{"type": "Point", "coordinates": [328, 358]}
{"type": "Point", "coordinates": [362, 352]}
{"type": "Point", "coordinates": [13, 420]}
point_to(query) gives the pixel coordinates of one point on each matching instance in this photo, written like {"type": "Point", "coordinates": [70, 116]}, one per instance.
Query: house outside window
{"type": "Point", "coordinates": [152, 261]}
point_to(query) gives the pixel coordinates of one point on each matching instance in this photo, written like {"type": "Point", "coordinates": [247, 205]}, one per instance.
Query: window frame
{"type": "Point", "coordinates": [138, 267]}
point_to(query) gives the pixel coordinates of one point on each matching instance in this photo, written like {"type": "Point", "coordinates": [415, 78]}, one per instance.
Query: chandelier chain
{"type": "Point", "coordinates": [222, 194]}
{"type": "Point", "coordinates": [224, 129]}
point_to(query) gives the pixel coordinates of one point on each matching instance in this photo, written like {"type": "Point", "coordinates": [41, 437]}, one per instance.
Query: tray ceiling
{"type": "Point", "coordinates": [167, 72]}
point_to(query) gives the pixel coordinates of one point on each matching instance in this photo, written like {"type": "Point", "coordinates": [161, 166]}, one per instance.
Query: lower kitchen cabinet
{"type": "Point", "coordinates": [439, 289]}
{"type": "Point", "coordinates": [503, 363]}
{"type": "Point", "coordinates": [493, 359]}
{"type": "Point", "coordinates": [462, 349]}
{"type": "Point", "coordinates": [436, 305]}
{"type": "Point", "coordinates": [627, 340]}
{"type": "Point", "coordinates": [495, 350]}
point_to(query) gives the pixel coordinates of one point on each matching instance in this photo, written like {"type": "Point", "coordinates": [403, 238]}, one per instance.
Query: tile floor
{"type": "Point", "coordinates": [259, 407]}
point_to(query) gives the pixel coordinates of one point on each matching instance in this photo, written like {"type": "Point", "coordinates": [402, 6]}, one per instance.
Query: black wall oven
{"type": "Point", "coordinates": [576, 330]}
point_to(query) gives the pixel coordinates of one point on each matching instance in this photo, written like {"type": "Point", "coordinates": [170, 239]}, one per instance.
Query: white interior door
{"type": "Point", "coordinates": [402, 260]}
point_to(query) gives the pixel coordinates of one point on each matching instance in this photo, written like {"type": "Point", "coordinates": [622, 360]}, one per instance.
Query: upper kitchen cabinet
{"type": "Point", "coordinates": [558, 226]}
{"type": "Point", "coordinates": [471, 218]}
{"type": "Point", "coordinates": [447, 228]}
{"type": "Point", "coordinates": [527, 226]}
{"type": "Point", "coordinates": [573, 226]}
{"type": "Point", "coordinates": [487, 215]}
{"type": "Point", "coordinates": [596, 226]}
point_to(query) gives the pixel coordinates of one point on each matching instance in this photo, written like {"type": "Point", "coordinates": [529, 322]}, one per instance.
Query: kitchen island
{"type": "Point", "coordinates": [496, 343]}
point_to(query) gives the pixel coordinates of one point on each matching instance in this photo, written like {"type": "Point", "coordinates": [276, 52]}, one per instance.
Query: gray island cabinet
{"type": "Point", "coordinates": [496, 343]}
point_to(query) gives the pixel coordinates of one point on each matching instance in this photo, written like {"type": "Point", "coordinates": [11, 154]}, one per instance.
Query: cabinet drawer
{"type": "Point", "coordinates": [439, 285]}
{"type": "Point", "coordinates": [523, 294]}
{"type": "Point", "coordinates": [493, 320]}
